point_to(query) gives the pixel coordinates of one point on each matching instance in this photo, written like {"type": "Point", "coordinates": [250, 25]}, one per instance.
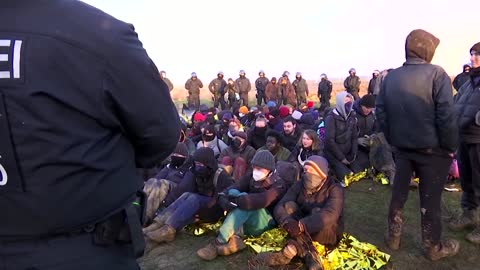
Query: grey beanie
{"type": "Point", "coordinates": [264, 159]}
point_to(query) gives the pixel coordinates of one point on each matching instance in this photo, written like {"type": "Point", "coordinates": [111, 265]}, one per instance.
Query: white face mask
{"type": "Point", "coordinates": [241, 114]}
{"type": "Point", "coordinates": [259, 175]}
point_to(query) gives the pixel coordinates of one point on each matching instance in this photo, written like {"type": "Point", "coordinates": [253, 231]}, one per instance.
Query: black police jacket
{"type": "Point", "coordinates": [81, 104]}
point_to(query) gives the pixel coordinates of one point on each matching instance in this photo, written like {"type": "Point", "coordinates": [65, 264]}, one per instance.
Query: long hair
{"type": "Point", "coordinates": [313, 136]}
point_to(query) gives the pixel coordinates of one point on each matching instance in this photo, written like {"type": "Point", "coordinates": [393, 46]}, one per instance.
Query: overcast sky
{"type": "Point", "coordinates": [310, 36]}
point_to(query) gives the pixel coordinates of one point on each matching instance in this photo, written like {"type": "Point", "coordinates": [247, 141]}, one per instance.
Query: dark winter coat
{"type": "Point", "coordinates": [341, 136]}
{"type": "Point", "coordinates": [247, 153]}
{"type": "Point", "coordinates": [261, 84]}
{"type": "Point", "coordinates": [467, 105]}
{"type": "Point", "coordinates": [460, 79]}
{"type": "Point", "coordinates": [290, 141]}
{"type": "Point", "coordinates": [415, 107]}
{"type": "Point", "coordinates": [301, 154]}
{"type": "Point", "coordinates": [190, 183]}
{"type": "Point", "coordinates": [367, 124]}
{"type": "Point", "coordinates": [261, 194]}
{"type": "Point", "coordinates": [173, 174]}
{"type": "Point", "coordinates": [324, 88]}
{"type": "Point", "coordinates": [320, 212]}
{"type": "Point", "coordinates": [257, 138]}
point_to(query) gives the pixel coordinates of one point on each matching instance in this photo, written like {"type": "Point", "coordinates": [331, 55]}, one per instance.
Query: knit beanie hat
{"type": "Point", "coordinates": [367, 101]}
{"type": "Point", "coordinates": [206, 156]}
{"type": "Point", "coordinates": [264, 159]}
{"type": "Point", "coordinates": [476, 48]}
{"type": "Point", "coordinates": [181, 149]}
{"type": "Point", "coordinates": [243, 110]}
{"type": "Point", "coordinates": [241, 134]}
{"type": "Point", "coordinates": [320, 164]}
{"type": "Point", "coordinates": [284, 112]}
{"type": "Point", "coordinates": [310, 104]}
{"type": "Point", "coordinates": [199, 117]}
{"type": "Point", "coordinates": [271, 104]}
{"type": "Point", "coordinates": [203, 108]}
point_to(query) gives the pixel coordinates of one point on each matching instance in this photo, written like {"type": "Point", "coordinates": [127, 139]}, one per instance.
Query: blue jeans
{"type": "Point", "coordinates": [253, 222]}
{"type": "Point", "coordinates": [182, 211]}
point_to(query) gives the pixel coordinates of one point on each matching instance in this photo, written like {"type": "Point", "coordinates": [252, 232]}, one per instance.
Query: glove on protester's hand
{"type": "Point", "coordinates": [293, 227]}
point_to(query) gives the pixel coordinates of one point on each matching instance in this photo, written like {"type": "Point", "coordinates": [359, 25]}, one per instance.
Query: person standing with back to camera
{"type": "Point", "coordinates": [81, 106]}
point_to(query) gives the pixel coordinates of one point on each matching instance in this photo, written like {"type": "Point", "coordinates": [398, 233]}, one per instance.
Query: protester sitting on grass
{"type": "Point", "coordinates": [250, 203]}
{"type": "Point", "coordinates": [237, 157]}
{"type": "Point", "coordinates": [312, 209]}
{"type": "Point", "coordinates": [194, 198]}
{"type": "Point", "coordinates": [158, 187]}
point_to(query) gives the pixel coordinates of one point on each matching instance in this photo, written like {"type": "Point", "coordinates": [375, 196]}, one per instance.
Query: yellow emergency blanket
{"type": "Point", "coordinates": [351, 178]}
{"type": "Point", "coordinates": [198, 229]}
{"type": "Point", "coordinates": [349, 254]}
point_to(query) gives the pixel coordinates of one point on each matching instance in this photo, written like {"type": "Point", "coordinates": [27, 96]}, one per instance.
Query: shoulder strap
{"type": "Point", "coordinates": [215, 177]}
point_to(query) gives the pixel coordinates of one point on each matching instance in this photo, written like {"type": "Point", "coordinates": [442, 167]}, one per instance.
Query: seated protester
{"type": "Point", "coordinates": [256, 135]}
{"type": "Point", "coordinates": [210, 140]}
{"type": "Point", "coordinates": [222, 125]}
{"type": "Point", "coordinates": [249, 203]}
{"type": "Point", "coordinates": [233, 127]}
{"type": "Point", "coordinates": [275, 122]}
{"type": "Point", "coordinates": [196, 130]}
{"type": "Point", "coordinates": [237, 157]}
{"type": "Point", "coordinates": [311, 209]}
{"type": "Point", "coordinates": [157, 188]}
{"type": "Point", "coordinates": [308, 145]}
{"type": "Point", "coordinates": [367, 126]}
{"type": "Point", "coordinates": [341, 137]}
{"type": "Point", "coordinates": [307, 121]}
{"type": "Point", "coordinates": [243, 116]}
{"type": "Point", "coordinates": [291, 132]}
{"type": "Point", "coordinates": [191, 146]}
{"type": "Point", "coordinates": [195, 197]}
{"type": "Point", "coordinates": [274, 144]}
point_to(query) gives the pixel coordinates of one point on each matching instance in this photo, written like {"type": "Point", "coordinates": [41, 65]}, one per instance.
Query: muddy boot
{"type": "Point", "coordinates": [463, 222]}
{"type": "Point", "coordinates": [474, 236]}
{"type": "Point", "coordinates": [277, 258]}
{"type": "Point", "coordinates": [394, 232]}
{"type": "Point", "coordinates": [312, 263]}
{"type": "Point", "coordinates": [158, 222]}
{"type": "Point", "coordinates": [165, 234]}
{"type": "Point", "coordinates": [234, 245]}
{"type": "Point", "coordinates": [209, 252]}
{"type": "Point", "coordinates": [447, 248]}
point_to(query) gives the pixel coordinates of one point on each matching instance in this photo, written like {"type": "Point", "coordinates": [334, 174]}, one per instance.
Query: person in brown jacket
{"type": "Point", "coordinates": [271, 90]}
{"type": "Point", "coordinates": [301, 89]}
{"type": "Point", "coordinates": [311, 209]}
{"type": "Point", "coordinates": [163, 76]}
{"type": "Point", "coordinates": [193, 86]}
{"type": "Point", "coordinates": [243, 85]}
{"type": "Point", "coordinates": [286, 93]}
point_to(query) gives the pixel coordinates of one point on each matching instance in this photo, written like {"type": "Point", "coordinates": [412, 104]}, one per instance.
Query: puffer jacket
{"type": "Point", "coordinates": [467, 106]}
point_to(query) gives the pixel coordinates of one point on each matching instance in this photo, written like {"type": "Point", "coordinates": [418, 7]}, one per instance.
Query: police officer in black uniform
{"type": "Point", "coordinates": [81, 105]}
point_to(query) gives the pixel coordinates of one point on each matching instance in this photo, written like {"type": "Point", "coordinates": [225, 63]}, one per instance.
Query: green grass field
{"type": "Point", "coordinates": [365, 217]}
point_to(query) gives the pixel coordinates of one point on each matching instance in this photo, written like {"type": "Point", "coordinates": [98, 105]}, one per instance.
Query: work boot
{"type": "Point", "coordinates": [447, 248]}
{"type": "Point", "coordinates": [158, 222]}
{"type": "Point", "coordinates": [234, 245]}
{"type": "Point", "coordinates": [463, 222]}
{"type": "Point", "coordinates": [282, 257]}
{"type": "Point", "coordinates": [209, 252]}
{"type": "Point", "coordinates": [394, 232]}
{"type": "Point", "coordinates": [312, 263]}
{"type": "Point", "coordinates": [165, 234]}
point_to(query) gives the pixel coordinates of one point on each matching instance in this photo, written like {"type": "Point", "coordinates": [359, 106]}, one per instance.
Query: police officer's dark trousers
{"type": "Point", "coordinates": [432, 169]}
{"type": "Point", "coordinates": [469, 166]}
{"type": "Point", "coordinates": [66, 252]}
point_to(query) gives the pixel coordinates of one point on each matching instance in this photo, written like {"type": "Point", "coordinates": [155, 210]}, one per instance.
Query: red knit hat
{"type": "Point", "coordinates": [199, 117]}
{"type": "Point", "coordinates": [284, 111]}
{"type": "Point", "coordinates": [310, 104]}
